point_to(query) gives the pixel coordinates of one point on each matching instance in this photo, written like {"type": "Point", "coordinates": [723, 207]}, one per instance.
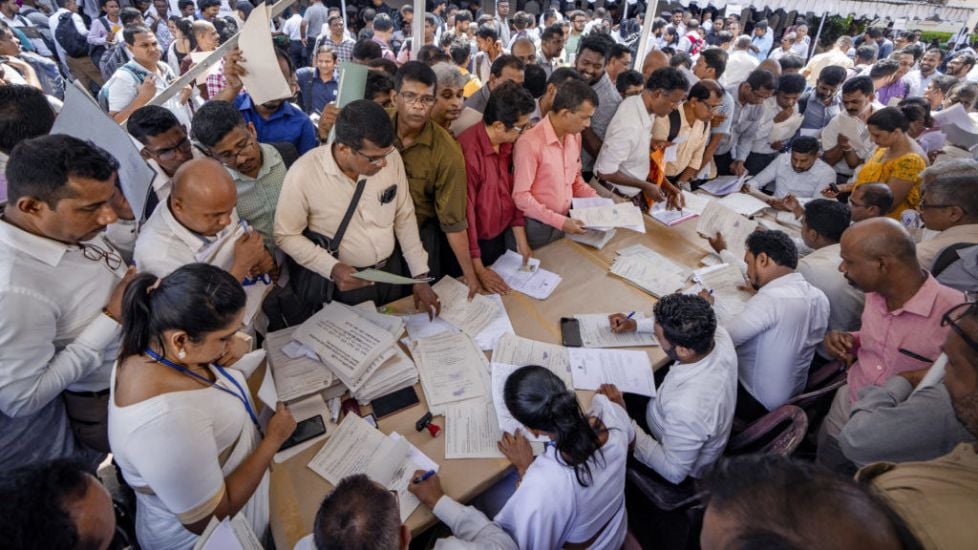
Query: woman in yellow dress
{"type": "Point", "coordinates": [895, 161]}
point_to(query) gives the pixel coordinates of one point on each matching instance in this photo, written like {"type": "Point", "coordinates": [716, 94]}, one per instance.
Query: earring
{"type": "Point", "coordinates": [181, 354]}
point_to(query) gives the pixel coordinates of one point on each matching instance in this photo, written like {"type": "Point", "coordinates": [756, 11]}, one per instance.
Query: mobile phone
{"type": "Point", "coordinates": [570, 332]}
{"type": "Point", "coordinates": [393, 402]}
{"type": "Point", "coordinates": [834, 187]}
{"type": "Point", "coordinates": [304, 431]}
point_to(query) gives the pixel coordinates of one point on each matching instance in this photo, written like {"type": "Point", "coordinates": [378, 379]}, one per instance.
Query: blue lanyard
{"type": "Point", "coordinates": [240, 394]}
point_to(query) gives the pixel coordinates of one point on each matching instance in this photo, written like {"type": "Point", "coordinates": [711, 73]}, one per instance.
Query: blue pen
{"type": "Point", "coordinates": [630, 315]}
{"type": "Point", "coordinates": [425, 476]}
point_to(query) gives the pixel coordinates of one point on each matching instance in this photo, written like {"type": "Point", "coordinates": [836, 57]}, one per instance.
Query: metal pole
{"type": "Point", "coordinates": [417, 29]}
{"type": "Point", "coordinates": [643, 40]}
{"type": "Point", "coordinates": [817, 35]}
{"type": "Point", "coordinates": [345, 21]}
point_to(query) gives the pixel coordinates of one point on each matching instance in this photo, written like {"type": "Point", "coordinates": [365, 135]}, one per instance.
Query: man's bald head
{"type": "Point", "coordinates": [771, 65]}
{"type": "Point", "coordinates": [524, 49]}
{"type": "Point", "coordinates": [870, 200]}
{"type": "Point", "coordinates": [203, 196]}
{"type": "Point", "coordinates": [653, 61]}
{"type": "Point", "coordinates": [878, 255]}
{"type": "Point", "coordinates": [878, 237]}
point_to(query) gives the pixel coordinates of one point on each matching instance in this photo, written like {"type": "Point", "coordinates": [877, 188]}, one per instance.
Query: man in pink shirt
{"type": "Point", "coordinates": [901, 321]}
{"type": "Point", "coordinates": [547, 161]}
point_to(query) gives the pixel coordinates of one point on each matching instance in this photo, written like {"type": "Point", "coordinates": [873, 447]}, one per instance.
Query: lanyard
{"type": "Point", "coordinates": [240, 394]}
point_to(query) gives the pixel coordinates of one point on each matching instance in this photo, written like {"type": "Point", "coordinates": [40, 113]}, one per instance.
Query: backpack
{"type": "Point", "coordinates": [103, 94]}
{"type": "Point", "coordinates": [72, 42]}
{"type": "Point", "coordinates": [954, 267]}
{"type": "Point", "coordinates": [112, 59]}
{"type": "Point", "coordinates": [96, 52]}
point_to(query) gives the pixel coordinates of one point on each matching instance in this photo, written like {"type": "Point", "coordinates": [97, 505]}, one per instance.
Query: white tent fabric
{"type": "Point", "coordinates": [893, 9]}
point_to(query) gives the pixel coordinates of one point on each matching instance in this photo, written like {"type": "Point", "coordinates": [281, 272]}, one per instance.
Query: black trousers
{"type": "Point", "coordinates": [723, 164]}
{"type": "Point", "coordinates": [491, 249]}
{"type": "Point", "coordinates": [748, 408]}
{"type": "Point", "coordinates": [757, 161]}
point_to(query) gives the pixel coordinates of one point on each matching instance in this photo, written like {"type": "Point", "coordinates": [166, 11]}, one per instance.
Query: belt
{"type": "Point", "coordinates": [89, 394]}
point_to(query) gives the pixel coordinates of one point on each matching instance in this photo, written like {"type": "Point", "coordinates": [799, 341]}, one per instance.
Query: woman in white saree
{"type": "Point", "coordinates": [182, 428]}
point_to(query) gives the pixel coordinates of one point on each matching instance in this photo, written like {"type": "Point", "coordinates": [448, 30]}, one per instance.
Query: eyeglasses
{"type": "Point", "coordinates": [520, 128]}
{"type": "Point", "coordinates": [415, 99]}
{"type": "Point", "coordinates": [954, 315]}
{"type": "Point", "coordinates": [170, 152]}
{"type": "Point", "coordinates": [230, 156]}
{"type": "Point", "coordinates": [96, 253]}
{"type": "Point", "coordinates": [375, 159]}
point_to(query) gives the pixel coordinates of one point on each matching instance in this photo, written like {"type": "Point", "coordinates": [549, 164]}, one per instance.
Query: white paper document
{"type": "Point", "coordinates": [220, 253]}
{"type": "Point", "coordinates": [378, 276]}
{"type": "Point", "coordinates": [743, 204]}
{"type": "Point", "coordinates": [695, 202]}
{"type": "Point", "coordinates": [263, 80]}
{"type": "Point", "coordinates": [469, 316]}
{"type": "Point", "coordinates": [452, 368]}
{"type": "Point", "coordinates": [595, 238]}
{"type": "Point", "coordinates": [596, 333]}
{"type": "Point", "coordinates": [508, 424]}
{"type": "Point", "coordinates": [294, 377]}
{"type": "Point", "coordinates": [725, 281]}
{"type": "Point", "coordinates": [623, 214]}
{"type": "Point", "coordinates": [249, 362]}
{"type": "Point", "coordinates": [344, 340]}
{"type": "Point", "coordinates": [630, 371]}
{"type": "Point", "coordinates": [472, 430]}
{"type": "Point", "coordinates": [785, 129]}
{"type": "Point", "coordinates": [516, 350]}
{"type": "Point", "coordinates": [581, 203]}
{"type": "Point", "coordinates": [419, 326]}
{"type": "Point", "coordinates": [658, 279]}
{"type": "Point", "coordinates": [724, 185]}
{"type": "Point", "coordinates": [660, 213]}
{"type": "Point", "coordinates": [534, 282]}
{"type": "Point", "coordinates": [735, 228]}
{"type": "Point", "coordinates": [228, 534]}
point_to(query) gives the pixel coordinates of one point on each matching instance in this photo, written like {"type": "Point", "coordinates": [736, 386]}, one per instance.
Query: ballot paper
{"type": "Point", "coordinates": [420, 326]}
{"type": "Point", "coordinates": [469, 316]}
{"type": "Point", "coordinates": [581, 203]}
{"type": "Point", "coordinates": [662, 214]}
{"type": "Point", "coordinates": [516, 350]}
{"type": "Point", "coordinates": [533, 281]}
{"type": "Point", "coordinates": [294, 377]}
{"type": "Point", "coordinates": [743, 204]}
{"type": "Point", "coordinates": [593, 237]}
{"type": "Point", "coordinates": [788, 219]}
{"type": "Point", "coordinates": [724, 282]}
{"type": "Point", "coordinates": [356, 447]}
{"type": "Point", "coordinates": [596, 333]}
{"type": "Point", "coordinates": [630, 371]}
{"type": "Point", "coordinates": [228, 534]}
{"type": "Point", "coordinates": [853, 128]}
{"type": "Point", "coordinates": [452, 368]}
{"type": "Point", "coordinates": [508, 424]}
{"type": "Point", "coordinates": [695, 202]}
{"type": "Point", "coordinates": [724, 185]}
{"type": "Point", "coordinates": [197, 57]}
{"type": "Point", "coordinates": [344, 340]}
{"type": "Point", "coordinates": [378, 276]}
{"type": "Point", "coordinates": [472, 430]}
{"type": "Point", "coordinates": [263, 79]}
{"type": "Point", "coordinates": [785, 129]}
{"type": "Point", "coordinates": [394, 373]}
{"type": "Point", "coordinates": [623, 214]}
{"type": "Point", "coordinates": [735, 228]}
{"type": "Point", "coordinates": [649, 270]}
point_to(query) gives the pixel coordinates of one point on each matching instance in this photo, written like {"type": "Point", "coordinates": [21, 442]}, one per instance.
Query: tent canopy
{"type": "Point", "coordinates": [894, 9]}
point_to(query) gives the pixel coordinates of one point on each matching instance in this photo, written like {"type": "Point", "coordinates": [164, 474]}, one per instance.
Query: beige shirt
{"type": "Point", "coordinates": [929, 250]}
{"type": "Point", "coordinates": [822, 60]}
{"type": "Point", "coordinates": [690, 142]}
{"type": "Point", "coordinates": [938, 499]}
{"type": "Point", "coordinates": [316, 194]}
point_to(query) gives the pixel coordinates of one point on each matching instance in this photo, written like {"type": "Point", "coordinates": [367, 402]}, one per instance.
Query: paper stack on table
{"type": "Point", "coordinates": [420, 326]}
{"type": "Point", "coordinates": [356, 447]}
{"type": "Point", "coordinates": [695, 202]}
{"type": "Point", "coordinates": [735, 228]}
{"type": "Point", "coordinates": [471, 317]}
{"type": "Point", "coordinates": [743, 204]}
{"type": "Point", "coordinates": [724, 185]}
{"type": "Point", "coordinates": [649, 270]}
{"type": "Point", "coordinates": [623, 214]}
{"type": "Point", "coordinates": [533, 281]}
{"type": "Point", "coordinates": [596, 333]}
{"type": "Point", "coordinates": [298, 376]}
{"type": "Point", "coordinates": [593, 237]}
{"type": "Point", "coordinates": [631, 371]}
{"type": "Point", "coordinates": [228, 534]}
{"type": "Point", "coordinates": [724, 280]}
{"type": "Point", "coordinates": [601, 202]}
{"type": "Point", "coordinates": [662, 214]}
{"type": "Point", "coordinates": [452, 368]}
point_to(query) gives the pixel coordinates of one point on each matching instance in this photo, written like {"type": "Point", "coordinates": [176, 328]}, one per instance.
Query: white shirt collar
{"type": "Point", "coordinates": [46, 250]}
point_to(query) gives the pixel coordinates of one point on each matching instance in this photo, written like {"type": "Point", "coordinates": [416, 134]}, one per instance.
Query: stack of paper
{"type": "Point", "coordinates": [593, 237]}
{"type": "Point", "coordinates": [228, 534]}
{"type": "Point", "coordinates": [356, 447]}
{"type": "Point", "coordinates": [725, 282]}
{"type": "Point", "coordinates": [649, 270]}
{"type": "Point", "coordinates": [670, 218]}
{"type": "Point", "coordinates": [472, 430]}
{"type": "Point", "coordinates": [724, 185]}
{"type": "Point", "coordinates": [788, 219]}
{"type": "Point", "coordinates": [532, 281]}
{"type": "Point", "coordinates": [420, 326]}
{"type": "Point", "coordinates": [743, 204]}
{"type": "Point", "coordinates": [608, 213]}
{"type": "Point", "coordinates": [695, 202]}
{"type": "Point", "coordinates": [735, 228]}
{"type": "Point", "coordinates": [516, 350]}
{"type": "Point", "coordinates": [471, 317]}
{"type": "Point", "coordinates": [298, 376]}
{"type": "Point", "coordinates": [596, 333]}
{"type": "Point", "coordinates": [631, 371]}
{"type": "Point", "coordinates": [395, 373]}
{"type": "Point", "coordinates": [452, 369]}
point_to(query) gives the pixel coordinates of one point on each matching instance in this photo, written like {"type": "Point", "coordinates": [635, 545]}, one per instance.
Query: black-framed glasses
{"type": "Point", "coordinates": [96, 253]}
{"type": "Point", "coordinates": [168, 153]}
{"type": "Point", "coordinates": [953, 315]}
{"type": "Point", "coordinates": [231, 156]}
{"type": "Point", "coordinates": [520, 128]}
{"type": "Point", "coordinates": [375, 159]}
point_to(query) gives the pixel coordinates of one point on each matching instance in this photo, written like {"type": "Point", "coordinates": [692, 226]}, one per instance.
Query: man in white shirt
{"type": "Point", "coordinates": [684, 428]}
{"type": "Point", "coordinates": [845, 139]}
{"type": "Point", "coordinates": [920, 78]}
{"type": "Point", "coordinates": [799, 173]}
{"type": "Point", "coordinates": [745, 120]}
{"type": "Point", "coordinates": [821, 230]}
{"type": "Point", "coordinates": [198, 215]}
{"type": "Point", "coordinates": [948, 205]}
{"type": "Point", "coordinates": [61, 302]}
{"type": "Point", "coordinates": [780, 115]}
{"type": "Point", "coordinates": [787, 41]}
{"type": "Point", "coordinates": [624, 158]}
{"type": "Point", "coordinates": [779, 327]}
{"type": "Point", "coordinates": [739, 64]}
{"type": "Point", "coordinates": [361, 513]}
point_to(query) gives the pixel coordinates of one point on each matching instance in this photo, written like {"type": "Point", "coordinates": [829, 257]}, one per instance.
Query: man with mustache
{"type": "Point", "coordinates": [822, 103]}
{"type": "Point", "coordinates": [845, 139]}
{"type": "Point", "coordinates": [926, 70]}
{"type": "Point", "coordinates": [901, 321]}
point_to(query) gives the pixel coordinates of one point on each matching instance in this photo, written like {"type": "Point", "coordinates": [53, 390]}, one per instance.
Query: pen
{"type": "Point", "coordinates": [913, 355]}
{"type": "Point", "coordinates": [630, 315]}
{"type": "Point", "coordinates": [424, 477]}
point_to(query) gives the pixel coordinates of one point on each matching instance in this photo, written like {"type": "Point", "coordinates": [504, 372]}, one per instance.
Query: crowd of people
{"type": "Point", "coordinates": [119, 328]}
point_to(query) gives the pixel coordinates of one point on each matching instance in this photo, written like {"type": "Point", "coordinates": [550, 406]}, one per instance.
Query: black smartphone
{"type": "Point", "coordinates": [304, 431]}
{"type": "Point", "coordinates": [393, 402]}
{"type": "Point", "coordinates": [834, 187]}
{"type": "Point", "coordinates": [570, 332]}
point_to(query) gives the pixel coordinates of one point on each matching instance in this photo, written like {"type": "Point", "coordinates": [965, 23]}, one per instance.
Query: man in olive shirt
{"type": "Point", "coordinates": [436, 174]}
{"type": "Point", "coordinates": [317, 192]}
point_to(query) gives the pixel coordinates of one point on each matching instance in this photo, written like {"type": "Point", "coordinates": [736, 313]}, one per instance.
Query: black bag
{"type": "Point", "coordinates": [72, 42]}
{"type": "Point", "coordinates": [96, 52]}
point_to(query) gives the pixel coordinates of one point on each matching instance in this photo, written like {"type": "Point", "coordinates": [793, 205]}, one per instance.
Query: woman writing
{"type": "Point", "coordinates": [183, 428]}
{"type": "Point", "coordinates": [895, 162]}
{"type": "Point", "coordinates": [573, 495]}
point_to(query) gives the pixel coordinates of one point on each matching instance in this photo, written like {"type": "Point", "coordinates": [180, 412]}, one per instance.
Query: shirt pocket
{"type": "Point", "coordinates": [377, 213]}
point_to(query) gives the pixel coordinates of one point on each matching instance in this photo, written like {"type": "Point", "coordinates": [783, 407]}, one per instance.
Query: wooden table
{"type": "Point", "coordinates": [587, 287]}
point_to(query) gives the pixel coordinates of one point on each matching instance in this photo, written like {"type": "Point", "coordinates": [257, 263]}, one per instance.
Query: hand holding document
{"type": "Point", "coordinates": [583, 203]}
{"type": "Point", "coordinates": [378, 276]}
{"type": "Point", "coordinates": [785, 129]}
{"type": "Point", "coordinates": [661, 214]}
{"type": "Point", "coordinates": [535, 283]}
{"type": "Point", "coordinates": [452, 369]}
{"type": "Point", "coordinates": [472, 430]}
{"type": "Point", "coordinates": [419, 326]}
{"type": "Point", "coordinates": [469, 316]}
{"type": "Point", "coordinates": [631, 371]}
{"type": "Point", "coordinates": [263, 79]}
{"type": "Point", "coordinates": [604, 217]}
{"type": "Point", "coordinates": [735, 228]}
{"type": "Point", "coordinates": [596, 333]}
{"type": "Point", "coordinates": [724, 185]}
{"type": "Point", "coordinates": [595, 238]}
{"type": "Point", "coordinates": [344, 340]}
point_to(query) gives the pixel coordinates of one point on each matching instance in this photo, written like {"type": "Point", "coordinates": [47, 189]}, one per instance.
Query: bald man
{"type": "Point", "coordinates": [901, 321]}
{"type": "Point", "coordinates": [871, 200]}
{"type": "Point", "coordinates": [200, 224]}
{"type": "Point", "coordinates": [524, 49]}
{"type": "Point", "coordinates": [654, 60]}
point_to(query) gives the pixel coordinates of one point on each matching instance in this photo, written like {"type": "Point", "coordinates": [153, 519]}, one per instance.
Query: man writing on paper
{"type": "Point", "coordinates": [624, 158]}
{"type": "Point", "coordinates": [799, 173]}
{"type": "Point", "coordinates": [683, 430]}
{"type": "Point", "coordinates": [321, 188]}
{"type": "Point", "coordinates": [547, 170]}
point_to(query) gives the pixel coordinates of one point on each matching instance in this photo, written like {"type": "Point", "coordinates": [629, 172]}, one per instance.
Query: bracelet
{"type": "Point", "coordinates": [107, 313]}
